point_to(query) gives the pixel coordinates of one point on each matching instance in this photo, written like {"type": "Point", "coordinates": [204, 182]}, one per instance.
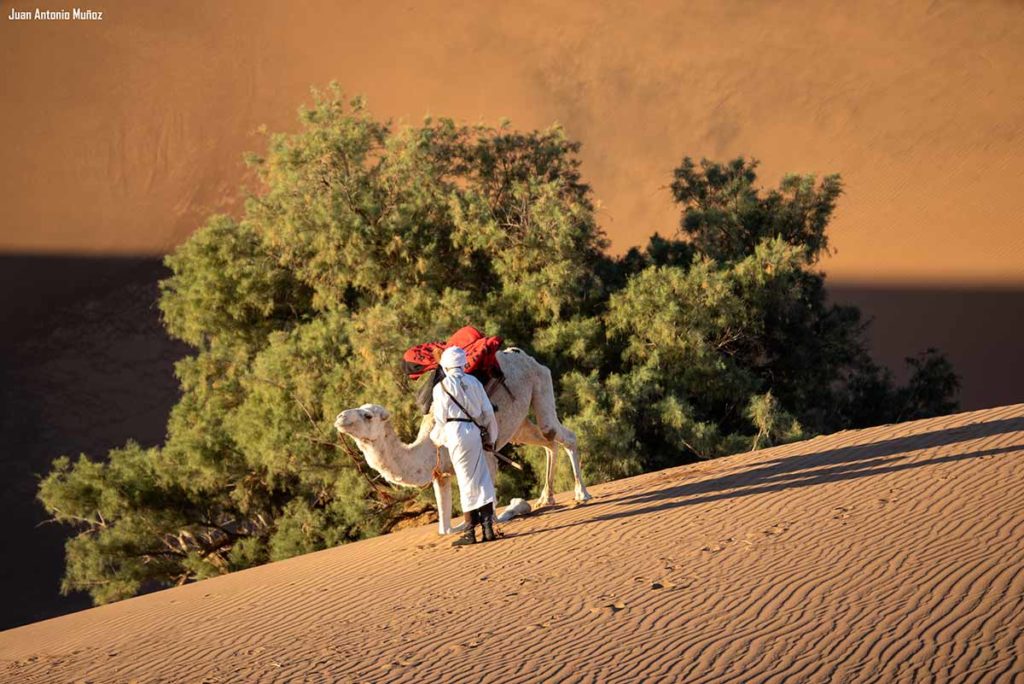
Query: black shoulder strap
{"type": "Point", "coordinates": [468, 414]}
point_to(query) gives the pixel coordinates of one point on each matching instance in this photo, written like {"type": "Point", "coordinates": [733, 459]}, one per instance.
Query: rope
{"type": "Point", "coordinates": [437, 473]}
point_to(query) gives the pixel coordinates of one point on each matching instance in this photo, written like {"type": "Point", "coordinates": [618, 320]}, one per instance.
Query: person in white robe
{"type": "Point", "coordinates": [460, 409]}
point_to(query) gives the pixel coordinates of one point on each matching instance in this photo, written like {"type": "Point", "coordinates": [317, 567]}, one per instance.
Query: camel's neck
{"type": "Point", "coordinates": [400, 463]}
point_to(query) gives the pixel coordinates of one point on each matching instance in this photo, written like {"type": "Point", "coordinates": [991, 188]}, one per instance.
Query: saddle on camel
{"type": "Point", "coordinates": [424, 359]}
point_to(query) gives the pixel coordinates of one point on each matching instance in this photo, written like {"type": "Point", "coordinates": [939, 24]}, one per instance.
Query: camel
{"type": "Point", "coordinates": [527, 386]}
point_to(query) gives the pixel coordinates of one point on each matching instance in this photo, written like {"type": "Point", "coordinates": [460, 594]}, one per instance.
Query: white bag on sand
{"type": "Point", "coordinates": [516, 507]}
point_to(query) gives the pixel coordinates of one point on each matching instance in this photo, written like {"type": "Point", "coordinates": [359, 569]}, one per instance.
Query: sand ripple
{"type": "Point", "coordinates": [887, 554]}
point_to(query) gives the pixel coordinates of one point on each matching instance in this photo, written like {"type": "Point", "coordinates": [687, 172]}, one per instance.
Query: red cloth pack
{"type": "Point", "coordinates": [480, 351]}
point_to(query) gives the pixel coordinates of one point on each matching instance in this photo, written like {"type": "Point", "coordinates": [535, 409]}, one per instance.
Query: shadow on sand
{"type": "Point", "coordinates": [808, 470]}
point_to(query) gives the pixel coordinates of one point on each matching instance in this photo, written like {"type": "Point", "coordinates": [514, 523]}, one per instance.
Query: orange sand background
{"type": "Point", "coordinates": [120, 136]}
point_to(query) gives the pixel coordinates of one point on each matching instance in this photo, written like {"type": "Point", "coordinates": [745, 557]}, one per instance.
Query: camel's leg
{"type": "Point", "coordinates": [530, 435]}
{"type": "Point", "coordinates": [443, 497]}
{"type": "Point", "coordinates": [567, 438]}
{"type": "Point", "coordinates": [543, 404]}
{"type": "Point", "coordinates": [547, 495]}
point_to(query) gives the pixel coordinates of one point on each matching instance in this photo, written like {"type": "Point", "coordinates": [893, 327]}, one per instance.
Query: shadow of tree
{"type": "Point", "coordinates": [807, 470]}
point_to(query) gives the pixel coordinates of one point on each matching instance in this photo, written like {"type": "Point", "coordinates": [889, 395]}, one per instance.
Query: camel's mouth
{"type": "Point", "coordinates": [344, 421]}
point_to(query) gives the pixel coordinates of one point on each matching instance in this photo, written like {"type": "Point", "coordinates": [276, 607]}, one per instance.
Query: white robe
{"type": "Point", "coordinates": [476, 488]}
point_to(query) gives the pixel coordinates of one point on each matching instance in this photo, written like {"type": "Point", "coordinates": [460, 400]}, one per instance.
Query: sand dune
{"type": "Point", "coordinates": [886, 554]}
{"type": "Point", "coordinates": [120, 136]}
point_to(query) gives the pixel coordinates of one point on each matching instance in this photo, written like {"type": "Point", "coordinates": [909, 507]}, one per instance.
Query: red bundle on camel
{"type": "Point", "coordinates": [480, 359]}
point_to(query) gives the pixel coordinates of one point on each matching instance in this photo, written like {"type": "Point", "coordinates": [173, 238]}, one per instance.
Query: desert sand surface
{"type": "Point", "coordinates": [121, 135]}
{"type": "Point", "coordinates": [887, 554]}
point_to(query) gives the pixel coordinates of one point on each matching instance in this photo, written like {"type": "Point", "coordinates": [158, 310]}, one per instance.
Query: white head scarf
{"type": "Point", "coordinates": [453, 358]}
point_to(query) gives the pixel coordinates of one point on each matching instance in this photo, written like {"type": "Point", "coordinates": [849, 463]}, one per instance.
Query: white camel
{"type": "Point", "coordinates": [527, 386]}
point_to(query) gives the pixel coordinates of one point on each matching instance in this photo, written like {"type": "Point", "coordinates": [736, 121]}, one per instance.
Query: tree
{"type": "Point", "coordinates": [363, 239]}
{"type": "Point", "coordinates": [726, 336]}
{"type": "Point", "coordinates": [726, 215]}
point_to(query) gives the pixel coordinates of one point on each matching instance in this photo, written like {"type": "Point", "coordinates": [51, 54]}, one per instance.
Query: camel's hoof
{"type": "Point", "coordinates": [544, 503]}
{"type": "Point", "coordinates": [583, 497]}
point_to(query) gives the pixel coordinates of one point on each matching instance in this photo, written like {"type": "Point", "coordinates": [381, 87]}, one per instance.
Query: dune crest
{"type": "Point", "coordinates": [872, 555]}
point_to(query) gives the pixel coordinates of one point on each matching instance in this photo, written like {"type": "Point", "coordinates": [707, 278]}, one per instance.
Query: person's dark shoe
{"type": "Point", "coordinates": [468, 537]}
{"type": "Point", "coordinates": [488, 529]}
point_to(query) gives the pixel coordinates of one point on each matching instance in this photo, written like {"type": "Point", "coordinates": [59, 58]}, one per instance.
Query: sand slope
{"type": "Point", "coordinates": [886, 554]}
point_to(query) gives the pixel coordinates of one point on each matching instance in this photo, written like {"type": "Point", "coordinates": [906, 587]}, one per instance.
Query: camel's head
{"type": "Point", "coordinates": [366, 423]}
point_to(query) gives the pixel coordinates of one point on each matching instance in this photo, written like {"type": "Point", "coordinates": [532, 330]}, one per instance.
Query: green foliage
{"type": "Point", "coordinates": [364, 239]}
{"type": "Point", "coordinates": [932, 388]}
{"type": "Point", "coordinates": [726, 216]}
